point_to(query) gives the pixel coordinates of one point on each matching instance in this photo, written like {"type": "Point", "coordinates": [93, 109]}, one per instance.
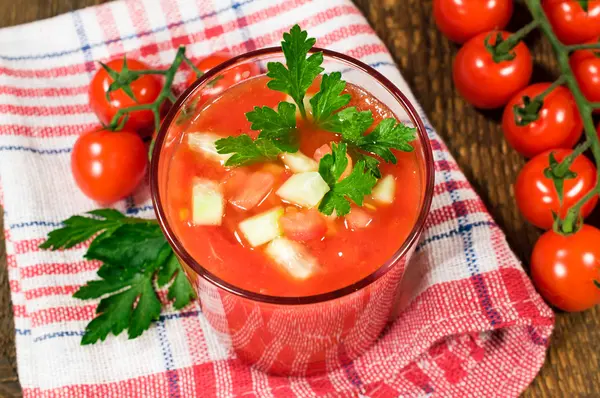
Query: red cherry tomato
{"type": "Point", "coordinates": [586, 68]}
{"type": "Point", "coordinates": [581, 55]}
{"type": "Point", "coordinates": [145, 90]}
{"type": "Point", "coordinates": [536, 196]}
{"type": "Point", "coordinates": [303, 225]}
{"type": "Point", "coordinates": [559, 124]}
{"type": "Point", "coordinates": [224, 80]}
{"type": "Point", "coordinates": [108, 166]}
{"type": "Point", "coordinates": [485, 83]}
{"type": "Point", "coordinates": [570, 22]}
{"type": "Point", "coordinates": [564, 268]}
{"type": "Point", "coordinates": [461, 20]}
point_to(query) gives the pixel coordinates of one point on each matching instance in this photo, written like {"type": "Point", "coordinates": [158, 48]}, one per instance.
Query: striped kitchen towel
{"type": "Point", "coordinates": [472, 324]}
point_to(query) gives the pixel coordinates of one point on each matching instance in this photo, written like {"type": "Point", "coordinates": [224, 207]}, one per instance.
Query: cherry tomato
{"type": "Point", "coordinates": [559, 124]}
{"type": "Point", "coordinates": [570, 22]}
{"type": "Point", "coordinates": [108, 166]}
{"type": "Point", "coordinates": [536, 196]}
{"type": "Point", "coordinates": [485, 83]}
{"type": "Point", "coordinates": [586, 68]}
{"type": "Point", "coordinates": [564, 268]}
{"type": "Point", "coordinates": [461, 20]}
{"type": "Point", "coordinates": [303, 225]}
{"type": "Point", "coordinates": [225, 80]}
{"type": "Point", "coordinates": [145, 90]}
{"type": "Point", "coordinates": [581, 55]}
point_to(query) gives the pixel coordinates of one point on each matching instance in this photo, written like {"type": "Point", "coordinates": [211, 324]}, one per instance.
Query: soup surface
{"type": "Point", "coordinates": [314, 253]}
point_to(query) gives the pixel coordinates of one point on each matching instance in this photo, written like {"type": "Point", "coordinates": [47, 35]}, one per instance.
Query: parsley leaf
{"type": "Point", "coordinates": [329, 98]}
{"type": "Point", "coordinates": [277, 126]}
{"type": "Point", "coordinates": [353, 188]}
{"type": "Point", "coordinates": [388, 134]}
{"type": "Point", "coordinates": [180, 290]}
{"type": "Point", "coordinates": [134, 245]}
{"type": "Point", "coordinates": [135, 253]}
{"type": "Point", "coordinates": [300, 72]}
{"type": "Point", "coordinates": [247, 151]}
{"type": "Point", "coordinates": [78, 229]}
{"type": "Point", "coordinates": [350, 123]}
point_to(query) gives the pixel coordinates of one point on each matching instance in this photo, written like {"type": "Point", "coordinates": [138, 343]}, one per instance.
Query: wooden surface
{"type": "Point", "coordinates": [474, 138]}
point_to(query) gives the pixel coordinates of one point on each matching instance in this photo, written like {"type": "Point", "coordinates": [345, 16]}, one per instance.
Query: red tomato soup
{"type": "Point", "coordinates": [334, 252]}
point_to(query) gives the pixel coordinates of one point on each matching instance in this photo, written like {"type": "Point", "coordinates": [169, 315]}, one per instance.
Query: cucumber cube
{"type": "Point", "coordinates": [304, 189]}
{"type": "Point", "coordinates": [292, 257]}
{"type": "Point", "coordinates": [263, 227]}
{"type": "Point", "coordinates": [207, 202]}
{"type": "Point", "coordinates": [205, 144]}
{"type": "Point", "coordinates": [299, 162]}
{"type": "Point", "coordinates": [385, 190]}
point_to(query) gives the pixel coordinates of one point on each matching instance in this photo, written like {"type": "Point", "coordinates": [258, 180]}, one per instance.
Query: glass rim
{"type": "Point", "coordinates": [202, 272]}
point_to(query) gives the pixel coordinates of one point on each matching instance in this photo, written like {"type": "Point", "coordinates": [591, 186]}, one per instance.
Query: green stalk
{"type": "Point", "coordinates": [164, 94]}
{"type": "Point", "coordinates": [558, 82]}
{"type": "Point", "coordinates": [585, 46]}
{"type": "Point", "coordinates": [569, 223]}
{"type": "Point", "coordinates": [197, 71]}
{"type": "Point", "coordinates": [515, 38]}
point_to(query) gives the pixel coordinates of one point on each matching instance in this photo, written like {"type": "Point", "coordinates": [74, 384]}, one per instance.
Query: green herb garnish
{"type": "Point", "coordinates": [354, 187]}
{"type": "Point", "coordinates": [277, 126]}
{"type": "Point", "coordinates": [277, 135]}
{"type": "Point", "coordinates": [389, 134]}
{"type": "Point", "coordinates": [329, 98]}
{"type": "Point", "coordinates": [247, 151]}
{"type": "Point", "coordinates": [135, 254]}
{"type": "Point", "coordinates": [300, 72]}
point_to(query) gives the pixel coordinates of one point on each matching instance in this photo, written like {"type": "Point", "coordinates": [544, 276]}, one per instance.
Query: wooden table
{"type": "Point", "coordinates": [474, 138]}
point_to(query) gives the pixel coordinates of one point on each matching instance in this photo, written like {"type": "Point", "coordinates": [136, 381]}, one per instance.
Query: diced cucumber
{"type": "Point", "coordinates": [292, 257]}
{"type": "Point", "coordinates": [263, 227]}
{"type": "Point", "coordinates": [207, 202]}
{"type": "Point", "coordinates": [299, 162]}
{"type": "Point", "coordinates": [304, 189]}
{"type": "Point", "coordinates": [205, 143]}
{"type": "Point", "coordinates": [385, 190]}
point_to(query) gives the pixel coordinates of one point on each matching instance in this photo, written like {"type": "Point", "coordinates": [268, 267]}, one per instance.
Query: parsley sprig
{"type": "Point", "coordinates": [137, 260]}
{"type": "Point", "coordinates": [298, 74]}
{"type": "Point", "coordinates": [277, 135]}
{"type": "Point", "coordinates": [352, 188]}
{"type": "Point", "coordinates": [330, 111]}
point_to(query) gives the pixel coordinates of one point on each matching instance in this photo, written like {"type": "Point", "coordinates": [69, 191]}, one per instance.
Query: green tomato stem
{"type": "Point", "coordinates": [164, 94]}
{"type": "Point", "coordinates": [558, 82]}
{"type": "Point", "coordinates": [514, 39]}
{"type": "Point", "coordinates": [568, 161]}
{"type": "Point", "coordinates": [189, 62]}
{"type": "Point", "coordinates": [570, 221]}
{"type": "Point", "coordinates": [584, 46]}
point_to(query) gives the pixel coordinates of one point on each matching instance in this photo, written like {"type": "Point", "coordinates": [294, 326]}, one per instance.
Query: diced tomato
{"type": "Point", "coordinates": [303, 225]}
{"type": "Point", "coordinates": [358, 219]}
{"type": "Point", "coordinates": [273, 168]}
{"type": "Point", "coordinates": [234, 182]}
{"type": "Point", "coordinates": [253, 190]}
{"type": "Point", "coordinates": [321, 151]}
{"type": "Point", "coordinates": [324, 150]}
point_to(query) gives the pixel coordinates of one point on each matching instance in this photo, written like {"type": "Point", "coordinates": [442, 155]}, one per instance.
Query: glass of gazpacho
{"type": "Point", "coordinates": [294, 200]}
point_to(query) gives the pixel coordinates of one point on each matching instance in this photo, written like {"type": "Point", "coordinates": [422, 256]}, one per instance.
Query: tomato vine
{"type": "Point", "coordinates": [559, 171]}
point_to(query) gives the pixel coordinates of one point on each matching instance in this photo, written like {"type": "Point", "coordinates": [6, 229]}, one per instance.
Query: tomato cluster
{"type": "Point", "coordinates": [543, 123]}
{"type": "Point", "coordinates": [108, 162]}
